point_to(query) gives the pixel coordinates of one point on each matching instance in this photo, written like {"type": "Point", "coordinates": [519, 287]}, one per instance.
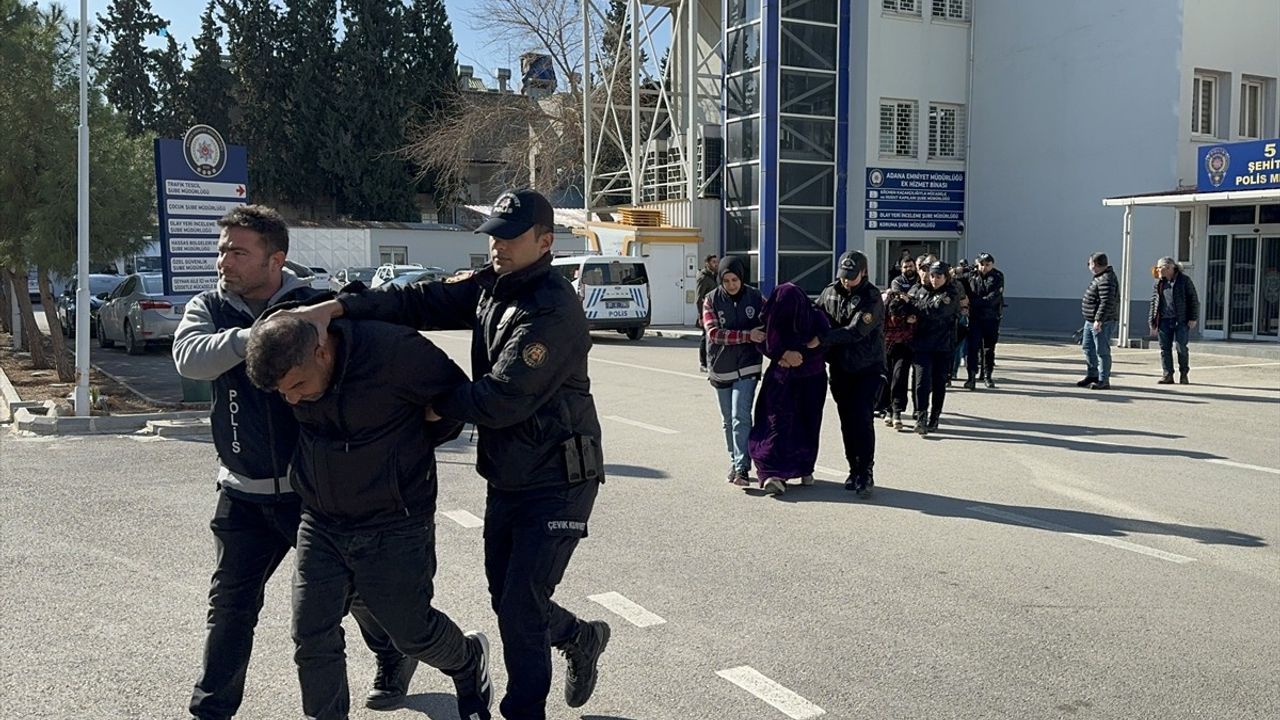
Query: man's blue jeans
{"type": "Point", "coordinates": [1097, 350]}
{"type": "Point", "coordinates": [735, 414]}
{"type": "Point", "coordinates": [1172, 331]}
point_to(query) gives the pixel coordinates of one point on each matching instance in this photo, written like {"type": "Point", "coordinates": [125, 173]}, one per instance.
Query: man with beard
{"type": "Point", "coordinates": [986, 307]}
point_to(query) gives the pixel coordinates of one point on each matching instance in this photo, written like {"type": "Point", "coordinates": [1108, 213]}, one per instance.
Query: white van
{"type": "Point", "coordinates": [614, 291]}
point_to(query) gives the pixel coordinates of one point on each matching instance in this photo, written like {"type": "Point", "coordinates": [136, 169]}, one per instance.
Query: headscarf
{"type": "Point", "coordinates": [791, 320]}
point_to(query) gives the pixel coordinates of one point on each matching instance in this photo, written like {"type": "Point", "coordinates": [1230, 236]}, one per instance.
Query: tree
{"type": "Point", "coordinates": [127, 64]}
{"type": "Point", "coordinates": [253, 41]}
{"type": "Point", "coordinates": [173, 111]}
{"type": "Point", "coordinates": [372, 179]}
{"type": "Point", "coordinates": [210, 86]}
{"type": "Point", "coordinates": [310, 51]}
{"type": "Point", "coordinates": [430, 86]}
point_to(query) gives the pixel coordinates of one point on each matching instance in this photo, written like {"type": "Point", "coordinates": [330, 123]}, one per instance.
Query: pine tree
{"type": "Point", "coordinates": [127, 64]}
{"type": "Point", "coordinates": [173, 112]}
{"type": "Point", "coordinates": [310, 52]}
{"type": "Point", "coordinates": [373, 181]}
{"type": "Point", "coordinates": [430, 87]}
{"type": "Point", "coordinates": [209, 83]}
{"type": "Point", "coordinates": [253, 41]}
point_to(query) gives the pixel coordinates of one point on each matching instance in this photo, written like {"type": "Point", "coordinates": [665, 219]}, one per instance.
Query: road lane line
{"type": "Point", "coordinates": [646, 426]}
{"type": "Point", "coordinates": [463, 518]}
{"type": "Point", "coordinates": [624, 607]}
{"type": "Point", "coordinates": [677, 373]}
{"type": "Point", "coordinates": [1225, 367]}
{"type": "Point", "coordinates": [782, 699]}
{"type": "Point", "coordinates": [1113, 542]}
{"type": "Point", "coordinates": [1242, 466]}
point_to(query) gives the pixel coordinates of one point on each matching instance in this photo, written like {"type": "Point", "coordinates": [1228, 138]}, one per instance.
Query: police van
{"type": "Point", "coordinates": [614, 291]}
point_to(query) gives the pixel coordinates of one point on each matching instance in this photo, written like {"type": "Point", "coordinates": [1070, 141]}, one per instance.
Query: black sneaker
{"type": "Point", "coordinates": [922, 427]}
{"type": "Point", "coordinates": [1087, 382]}
{"type": "Point", "coordinates": [991, 383]}
{"type": "Point", "coordinates": [897, 421]}
{"type": "Point", "coordinates": [1165, 380]}
{"type": "Point", "coordinates": [933, 425]}
{"type": "Point", "coordinates": [851, 483]}
{"type": "Point", "coordinates": [877, 414]}
{"type": "Point", "coordinates": [583, 652]}
{"type": "Point", "coordinates": [1182, 379]}
{"type": "Point", "coordinates": [391, 683]}
{"type": "Point", "coordinates": [970, 384]}
{"type": "Point", "coordinates": [1100, 386]}
{"type": "Point", "coordinates": [475, 692]}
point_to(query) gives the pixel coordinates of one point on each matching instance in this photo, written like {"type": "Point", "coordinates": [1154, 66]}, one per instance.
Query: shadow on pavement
{"type": "Point", "coordinates": [635, 471]}
{"type": "Point", "coordinates": [1117, 393]}
{"type": "Point", "coordinates": [436, 706]}
{"type": "Point", "coordinates": [604, 339]}
{"type": "Point", "coordinates": [1058, 520]}
{"type": "Point", "coordinates": [1120, 385]}
{"type": "Point", "coordinates": [1049, 428]}
{"type": "Point", "coordinates": [950, 432]}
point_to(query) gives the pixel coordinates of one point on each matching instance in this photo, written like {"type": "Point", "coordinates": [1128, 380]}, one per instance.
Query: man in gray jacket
{"type": "Point", "coordinates": [1101, 309]}
{"type": "Point", "coordinates": [257, 514]}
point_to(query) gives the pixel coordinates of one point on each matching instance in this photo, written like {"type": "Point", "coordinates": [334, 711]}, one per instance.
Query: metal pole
{"type": "Point", "coordinates": [588, 174]}
{"type": "Point", "coordinates": [82, 232]}
{"type": "Point", "coordinates": [635, 103]}
{"type": "Point", "coordinates": [1126, 281]}
{"type": "Point", "coordinates": [691, 100]}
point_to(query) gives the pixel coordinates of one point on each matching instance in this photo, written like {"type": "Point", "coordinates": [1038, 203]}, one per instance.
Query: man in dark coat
{"type": "Point", "coordinates": [708, 281]}
{"type": "Point", "coordinates": [1175, 308]}
{"type": "Point", "coordinates": [1101, 309]}
{"type": "Point", "coordinates": [986, 307]}
{"type": "Point", "coordinates": [936, 303]}
{"type": "Point", "coordinates": [856, 355]}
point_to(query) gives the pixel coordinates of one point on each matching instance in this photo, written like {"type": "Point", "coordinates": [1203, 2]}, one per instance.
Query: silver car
{"type": "Point", "coordinates": [138, 312]}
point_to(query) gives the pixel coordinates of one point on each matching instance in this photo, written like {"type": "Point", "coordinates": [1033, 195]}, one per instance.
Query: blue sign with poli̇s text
{"type": "Point", "coordinates": [905, 199]}
{"type": "Point", "coordinates": [198, 179]}
{"type": "Point", "coordinates": [1251, 165]}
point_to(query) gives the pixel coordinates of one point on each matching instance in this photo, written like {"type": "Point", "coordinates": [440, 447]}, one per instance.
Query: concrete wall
{"type": "Point", "coordinates": [1071, 103]}
{"type": "Point", "coordinates": [338, 248]}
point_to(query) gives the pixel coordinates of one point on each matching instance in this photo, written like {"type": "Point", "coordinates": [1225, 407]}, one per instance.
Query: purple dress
{"type": "Point", "coordinates": [788, 413]}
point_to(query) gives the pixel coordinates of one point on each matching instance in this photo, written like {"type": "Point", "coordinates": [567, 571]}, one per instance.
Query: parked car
{"type": "Point", "coordinates": [427, 274]}
{"type": "Point", "coordinates": [614, 291]}
{"type": "Point", "coordinates": [340, 279]}
{"type": "Point", "coordinates": [319, 278]}
{"type": "Point", "coordinates": [386, 272]}
{"type": "Point", "coordinates": [137, 312]}
{"type": "Point", "coordinates": [99, 284]}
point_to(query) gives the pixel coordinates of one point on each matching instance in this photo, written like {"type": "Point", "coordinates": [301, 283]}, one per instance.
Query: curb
{"type": "Point", "coordinates": [26, 421]}
{"type": "Point", "coordinates": [674, 333]}
{"type": "Point", "coordinates": [8, 398]}
{"type": "Point", "coordinates": [177, 406]}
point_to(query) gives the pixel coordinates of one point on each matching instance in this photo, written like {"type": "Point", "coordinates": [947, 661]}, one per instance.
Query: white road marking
{"type": "Point", "coordinates": [463, 518]}
{"type": "Point", "coordinates": [782, 699]}
{"type": "Point", "coordinates": [677, 373]}
{"type": "Point", "coordinates": [1243, 466]}
{"type": "Point", "coordinates": [646, 426]}
{"type": "Point", "coordinates": [1113, 542]}
{"type": "Point", "coordinates": [1198, 368]}
{"type": "Point", "coordinates": [622, 606]}
{"type": "Point", "coordinates": [145, 438]}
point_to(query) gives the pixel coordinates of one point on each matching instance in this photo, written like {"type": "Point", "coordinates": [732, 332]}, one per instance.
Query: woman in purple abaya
{"type": "Point", "coordinates": [788, 413]}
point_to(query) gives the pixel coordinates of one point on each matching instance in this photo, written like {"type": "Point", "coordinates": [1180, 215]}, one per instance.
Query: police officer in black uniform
{"type": "Point", "coordinates": [986, 307]}
{"type": "Point", "coordinates": [855, 352]}
{"type": "Point", "coordinates": [539, 446]}
{"type": "Point", "coordinates": [254, 432]}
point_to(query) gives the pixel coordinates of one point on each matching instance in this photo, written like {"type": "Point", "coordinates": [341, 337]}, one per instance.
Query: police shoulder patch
{"type": "Point", "coordinates": [534, 355]}
{"type": "Point", "coordinates": [868, 318]}
{"type": "Point", "coordinates": [946, 299]}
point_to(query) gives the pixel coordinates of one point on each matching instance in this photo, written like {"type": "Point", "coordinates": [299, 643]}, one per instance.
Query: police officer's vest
{"type": "Point", "coordinates": [728, 363]}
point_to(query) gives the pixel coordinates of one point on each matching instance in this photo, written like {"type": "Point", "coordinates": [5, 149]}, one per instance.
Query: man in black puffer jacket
{"type": "Point", "coordinates": [1101, 309]}
{"type": "Point", "coordinates": [1175, 308]}
{"type": "Point", "coordinates": [256, 519]}
{"type": "Point", "coordinates": [986, 307]}
{"type": "Point", "coordinates": [936, 304]}
{"type": "Point", "coordinates": [855, 352]}
{"type": "Point", "coordinates": [365, 468]}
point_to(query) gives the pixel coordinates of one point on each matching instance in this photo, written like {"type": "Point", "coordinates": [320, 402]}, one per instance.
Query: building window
{"type": "Point", "coordinates": [392, 255]}
{"type": "Point", "coordinates": [1204, 104]}
{"type": "Point", "coordinates": [808, 46]}
{"type": "Point", "coordinates": [1184, 237]}
{"type": "Point", "coordinates": [957, 10]}
{"type": "Point", "coordinates": [946, 132]}
{"type": "Point", "coordinates": [1251, 95]}
{"type": "Point", "coordinates": [902, 7]}
{"type": "Point", "coordinates": [898, 128]}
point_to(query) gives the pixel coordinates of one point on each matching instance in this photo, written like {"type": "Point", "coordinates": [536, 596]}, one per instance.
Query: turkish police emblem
{"type": "Point", "coordinates": [1216, 162]}
{"type": "Point", "coordinates": [506, 204]}
{"type": "Point", "coordinates": [867, 318]}
{"type": "Point", "coordinates": [204, 150]}
{"type": "Point", "coordinates": [751, 312]}
{"type": "Point", "coordinates": [534, 355]}
{"type": "Point", "coordinates": [875, 178]}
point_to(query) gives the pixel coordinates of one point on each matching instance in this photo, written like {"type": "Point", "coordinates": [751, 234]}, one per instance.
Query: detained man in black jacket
{"type": "Point", "coordinates": [986, 306]}
{"type": "Point", "coordinates": [855, 352]}
{"type": "Point", "coordinates": [936, 302]}
{"type": "Point", "coordinates": [256, 519]}
{"type": "Point", "coordinates": [365, 469]}
{"type": "Point", "coordinates": [539, 444]}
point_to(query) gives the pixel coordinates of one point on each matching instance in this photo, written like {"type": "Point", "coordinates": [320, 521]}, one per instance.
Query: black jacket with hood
{"type": "Point", "coordinates": [855, 341]}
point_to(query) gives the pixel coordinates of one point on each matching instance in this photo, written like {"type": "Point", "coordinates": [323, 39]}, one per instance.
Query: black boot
{"type": "Point", "coordinates": [1089, 380]}
{"type": "Point", "coordinates": [583, 653]}
{"type": "Point", "coordinates": [391, 683]}
{"type": "Point", "coordinates": [1182, 379]}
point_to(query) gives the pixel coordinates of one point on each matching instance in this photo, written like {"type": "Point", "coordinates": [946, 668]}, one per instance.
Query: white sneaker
{"type": "Point", "coordinates": [774, 486]}
{"type": "Point", "coordinates": [806, 480]}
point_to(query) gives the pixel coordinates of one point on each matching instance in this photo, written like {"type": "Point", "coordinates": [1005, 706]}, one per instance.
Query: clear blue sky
{"type": "Point", "coordinates": [184, 24]}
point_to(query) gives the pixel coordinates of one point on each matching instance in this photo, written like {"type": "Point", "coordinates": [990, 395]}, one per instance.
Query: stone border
{"type": "Point", "coordinates": [26, 421]}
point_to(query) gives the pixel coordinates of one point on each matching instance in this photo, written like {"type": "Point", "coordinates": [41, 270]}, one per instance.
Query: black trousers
{"type": "Point", "coordinates": [529, 537]}
{"type": "Point", "coordinates": [855, 397]}
{"type": "Point", "coordinates": [251, 539]}
{"type": "Point", "coordinates": [702, 348]}
{"type": "Point", "coordinates": [393, 570]}
{"type": "Point", "coordinates": [894, 393]}
{"type": "Point", "coordinates": [983, 336]}
{"type": "Point", "coordinates": [931, 368]}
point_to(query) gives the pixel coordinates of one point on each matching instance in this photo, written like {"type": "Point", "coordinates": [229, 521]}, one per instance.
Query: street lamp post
{"type": "Point", "coordinates": [82, 232]}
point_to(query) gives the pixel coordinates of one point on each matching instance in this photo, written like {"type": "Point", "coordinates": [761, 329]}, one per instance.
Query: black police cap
{"type": "Point", "coordinates": [515, 211]}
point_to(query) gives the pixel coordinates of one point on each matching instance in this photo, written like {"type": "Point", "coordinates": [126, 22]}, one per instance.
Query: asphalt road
{"type": "Point", "coordinates": [1052, 553]}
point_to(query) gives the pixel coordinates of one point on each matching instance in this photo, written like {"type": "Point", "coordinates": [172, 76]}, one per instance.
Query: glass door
{"type": "Point", "coordinates": [1268, 313]}
{"type": "Point", "coordinates": [1243, 289]}
{"type": "Point", "coordinates": [1215, 294]}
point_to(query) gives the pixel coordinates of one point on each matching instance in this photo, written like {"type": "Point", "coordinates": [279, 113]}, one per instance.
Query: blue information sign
{"type": "Point", "coordinates": [904, 199]}
{"type": "Point", "coordinates": [198, 179]}
{"type": "Point", "coordinates": [1239, 166]}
